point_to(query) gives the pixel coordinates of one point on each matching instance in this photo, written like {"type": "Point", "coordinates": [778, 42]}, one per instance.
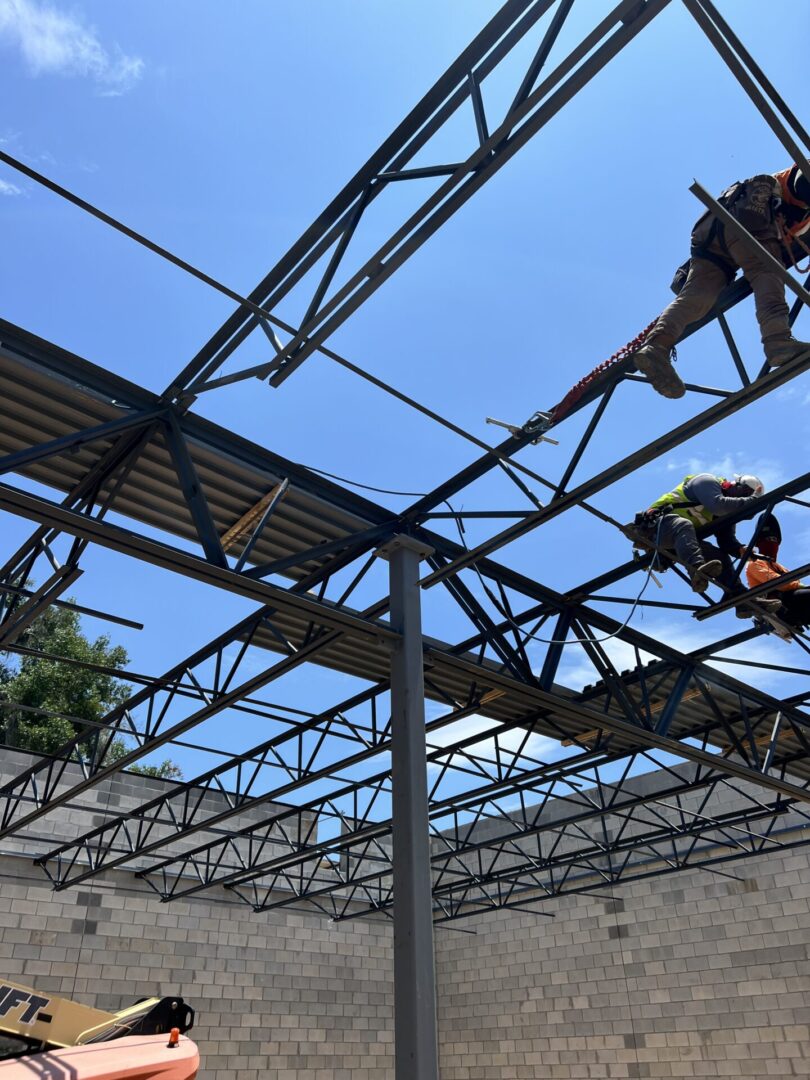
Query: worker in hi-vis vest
{"type": "Point", "coordinates": [701, 499]}
{"type": "Point", "coordinates": [776, 211]}
{"type": "Point", "coordinates": [793, 596]}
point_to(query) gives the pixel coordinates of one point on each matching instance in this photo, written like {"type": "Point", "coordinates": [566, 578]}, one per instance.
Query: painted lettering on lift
{"type": "Point", "coordinates": [31, 1004]}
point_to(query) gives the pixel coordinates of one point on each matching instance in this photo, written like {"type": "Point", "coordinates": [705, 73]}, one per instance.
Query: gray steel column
{"type": "Point", "coordinates": [414, 974]}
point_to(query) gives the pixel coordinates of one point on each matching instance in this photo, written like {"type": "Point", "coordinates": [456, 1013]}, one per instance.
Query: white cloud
{"type": "Point", "coordinates": [9, 189]}
{"type": "Point", "coordinates": [53, 42]}
{"type": "Point", "coordinates": [13, 141]}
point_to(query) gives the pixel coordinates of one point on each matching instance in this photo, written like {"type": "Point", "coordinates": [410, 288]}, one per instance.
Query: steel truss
{"type": "Point", "coordinates": [669, 765]}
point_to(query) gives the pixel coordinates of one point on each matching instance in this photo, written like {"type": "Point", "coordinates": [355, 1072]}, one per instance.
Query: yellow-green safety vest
{"type": "Point", "coordinates": [678, 503]}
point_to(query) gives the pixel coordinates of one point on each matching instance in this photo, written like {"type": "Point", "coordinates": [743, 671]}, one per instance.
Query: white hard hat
{"type": "Point", "coordinates": [752, 482]}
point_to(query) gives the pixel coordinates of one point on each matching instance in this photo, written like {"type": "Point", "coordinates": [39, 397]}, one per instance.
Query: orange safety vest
{"type": "Point", "coordinates": [800, 215]}
{"type": "Point", "coordinates": [758, 571]}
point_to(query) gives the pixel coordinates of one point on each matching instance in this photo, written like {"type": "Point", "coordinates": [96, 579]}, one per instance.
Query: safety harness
{"type": "Point", "coordinates": [674, 502]}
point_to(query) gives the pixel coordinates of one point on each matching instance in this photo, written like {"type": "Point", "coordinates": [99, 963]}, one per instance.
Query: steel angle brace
{"type": "Point", "coordinates": [193, 492]}
{"type": "Point", "coordinates": [357, 544]}
{"type": "Point", "coordinates": [80, 609]}
{"type": "Point", "coordinates": [263, 511]}
{"type": "Point", "coordinates": [23, 459]}
{"type": "Point", "coordinates": [19, 619]}
{"type": "Point", "coordinates": [511, 658]}
{"type": "Point", "coordinates": [608, 673]}
{"type": "Point", "coordinates": [260, 371]}
{"type": "Point", "coordinates": [731, 50]}
{"type": "Point", "coordinates": [587, 435]}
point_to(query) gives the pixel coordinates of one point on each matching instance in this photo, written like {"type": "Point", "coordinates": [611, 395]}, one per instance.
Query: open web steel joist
{"type": "Point", "coordinates": [675, 704]}
{"type": "Point", "coordinates": [534, 789]}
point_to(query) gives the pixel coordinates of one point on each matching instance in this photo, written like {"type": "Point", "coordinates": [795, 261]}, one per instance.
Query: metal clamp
{"type": "Point", "coordinates": [536, 426]}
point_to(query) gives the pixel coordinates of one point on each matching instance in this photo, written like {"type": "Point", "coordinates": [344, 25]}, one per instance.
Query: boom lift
{"type": "Point", "coordinates": [57, 1037]}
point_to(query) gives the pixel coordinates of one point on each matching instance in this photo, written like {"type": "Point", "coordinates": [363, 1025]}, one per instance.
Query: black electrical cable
{"type": "Point", "coordinates": [565, 641]}
{"type": "Point", "coordinates": [139, 238]}
{"type": "Point", "coordinates": [457, 518]}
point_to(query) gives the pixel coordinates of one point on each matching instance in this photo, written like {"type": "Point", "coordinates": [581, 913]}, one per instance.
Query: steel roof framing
{"type": "Point", "coordinates": [510, 826]}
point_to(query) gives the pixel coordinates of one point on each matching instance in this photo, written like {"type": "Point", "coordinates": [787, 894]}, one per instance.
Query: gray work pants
{"type": "Point", "coordinates": [706, 281]}
{"type": "Point", "coordinates": [678, 534]}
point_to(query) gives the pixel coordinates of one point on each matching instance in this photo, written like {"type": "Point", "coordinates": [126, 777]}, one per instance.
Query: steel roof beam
{"type": "Point", "coordinates": [35, 508]}
{"type": "Point", "coordinates": [507, 27]}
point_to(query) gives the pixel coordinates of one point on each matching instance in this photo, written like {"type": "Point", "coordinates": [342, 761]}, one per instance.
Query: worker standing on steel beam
{"type": "Point", "coordinates": [793, 596]}
{"type": "Point", "coordinates": [776, 211]}
{"type": "Point", "coordinates": [670, 523]}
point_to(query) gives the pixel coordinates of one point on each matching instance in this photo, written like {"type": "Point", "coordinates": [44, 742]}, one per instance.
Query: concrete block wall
{"type": "Point", "coordinates": [279, 996]}
{"type": "Point", "coordinates": [689, 975]}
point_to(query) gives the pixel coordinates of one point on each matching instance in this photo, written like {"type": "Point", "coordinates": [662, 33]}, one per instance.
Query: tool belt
{"type": "Point", "coordinates": [642, 534]}
{"type": "Point", "coordinates": [647, 520]}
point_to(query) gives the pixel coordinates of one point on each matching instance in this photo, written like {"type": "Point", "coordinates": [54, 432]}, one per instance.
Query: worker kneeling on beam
{"type": "Point", "coordinates": [776, 211]}
{"type": "Point", "coordinates": [793, 596]}
{"type": "Point", "coordinates": [669, 526]}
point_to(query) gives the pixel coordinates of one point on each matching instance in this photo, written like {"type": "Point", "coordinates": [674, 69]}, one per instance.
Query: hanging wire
{"type": "Point", "coordinates": [575, 640]}
{"type": "Point", "coordinates": [457, 517]}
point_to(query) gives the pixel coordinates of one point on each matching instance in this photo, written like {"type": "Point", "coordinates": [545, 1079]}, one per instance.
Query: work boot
{"type": "Point", "coordinates": [701, 574]}
{"type": "Point", "coordinates": [783, 349]}
{"type": "Point", "coordinates": [653, 361]}
{"type": "Point", "coordinates": [749, 609]}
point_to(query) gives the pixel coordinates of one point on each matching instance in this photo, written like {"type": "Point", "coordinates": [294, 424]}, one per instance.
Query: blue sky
{"type": "Point", "coordinates": [221, 131]}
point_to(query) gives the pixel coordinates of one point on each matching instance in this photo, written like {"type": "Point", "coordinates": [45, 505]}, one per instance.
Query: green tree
{"type": "Point", "coordinates": [60, 694]}
{"type": "Point", "coordinates": [166, 770]}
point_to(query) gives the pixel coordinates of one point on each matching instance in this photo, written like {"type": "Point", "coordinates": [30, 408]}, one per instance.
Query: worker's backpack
{"type": "Point", "coordinates": [753, 203]}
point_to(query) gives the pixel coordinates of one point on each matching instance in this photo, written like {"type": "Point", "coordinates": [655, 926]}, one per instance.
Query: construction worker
{"type": "Point", "coordinates": [670, 523]}
{"type": "Point", "coordinates": [776, 211]}
{"type": "Point", "coordinates": [793, 596]}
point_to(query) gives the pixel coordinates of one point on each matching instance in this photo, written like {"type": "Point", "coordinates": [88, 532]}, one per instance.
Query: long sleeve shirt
{"type": "Point", "coordinates": [761, 570]}
{"type": "Point", "coordinates": [705, 489]}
